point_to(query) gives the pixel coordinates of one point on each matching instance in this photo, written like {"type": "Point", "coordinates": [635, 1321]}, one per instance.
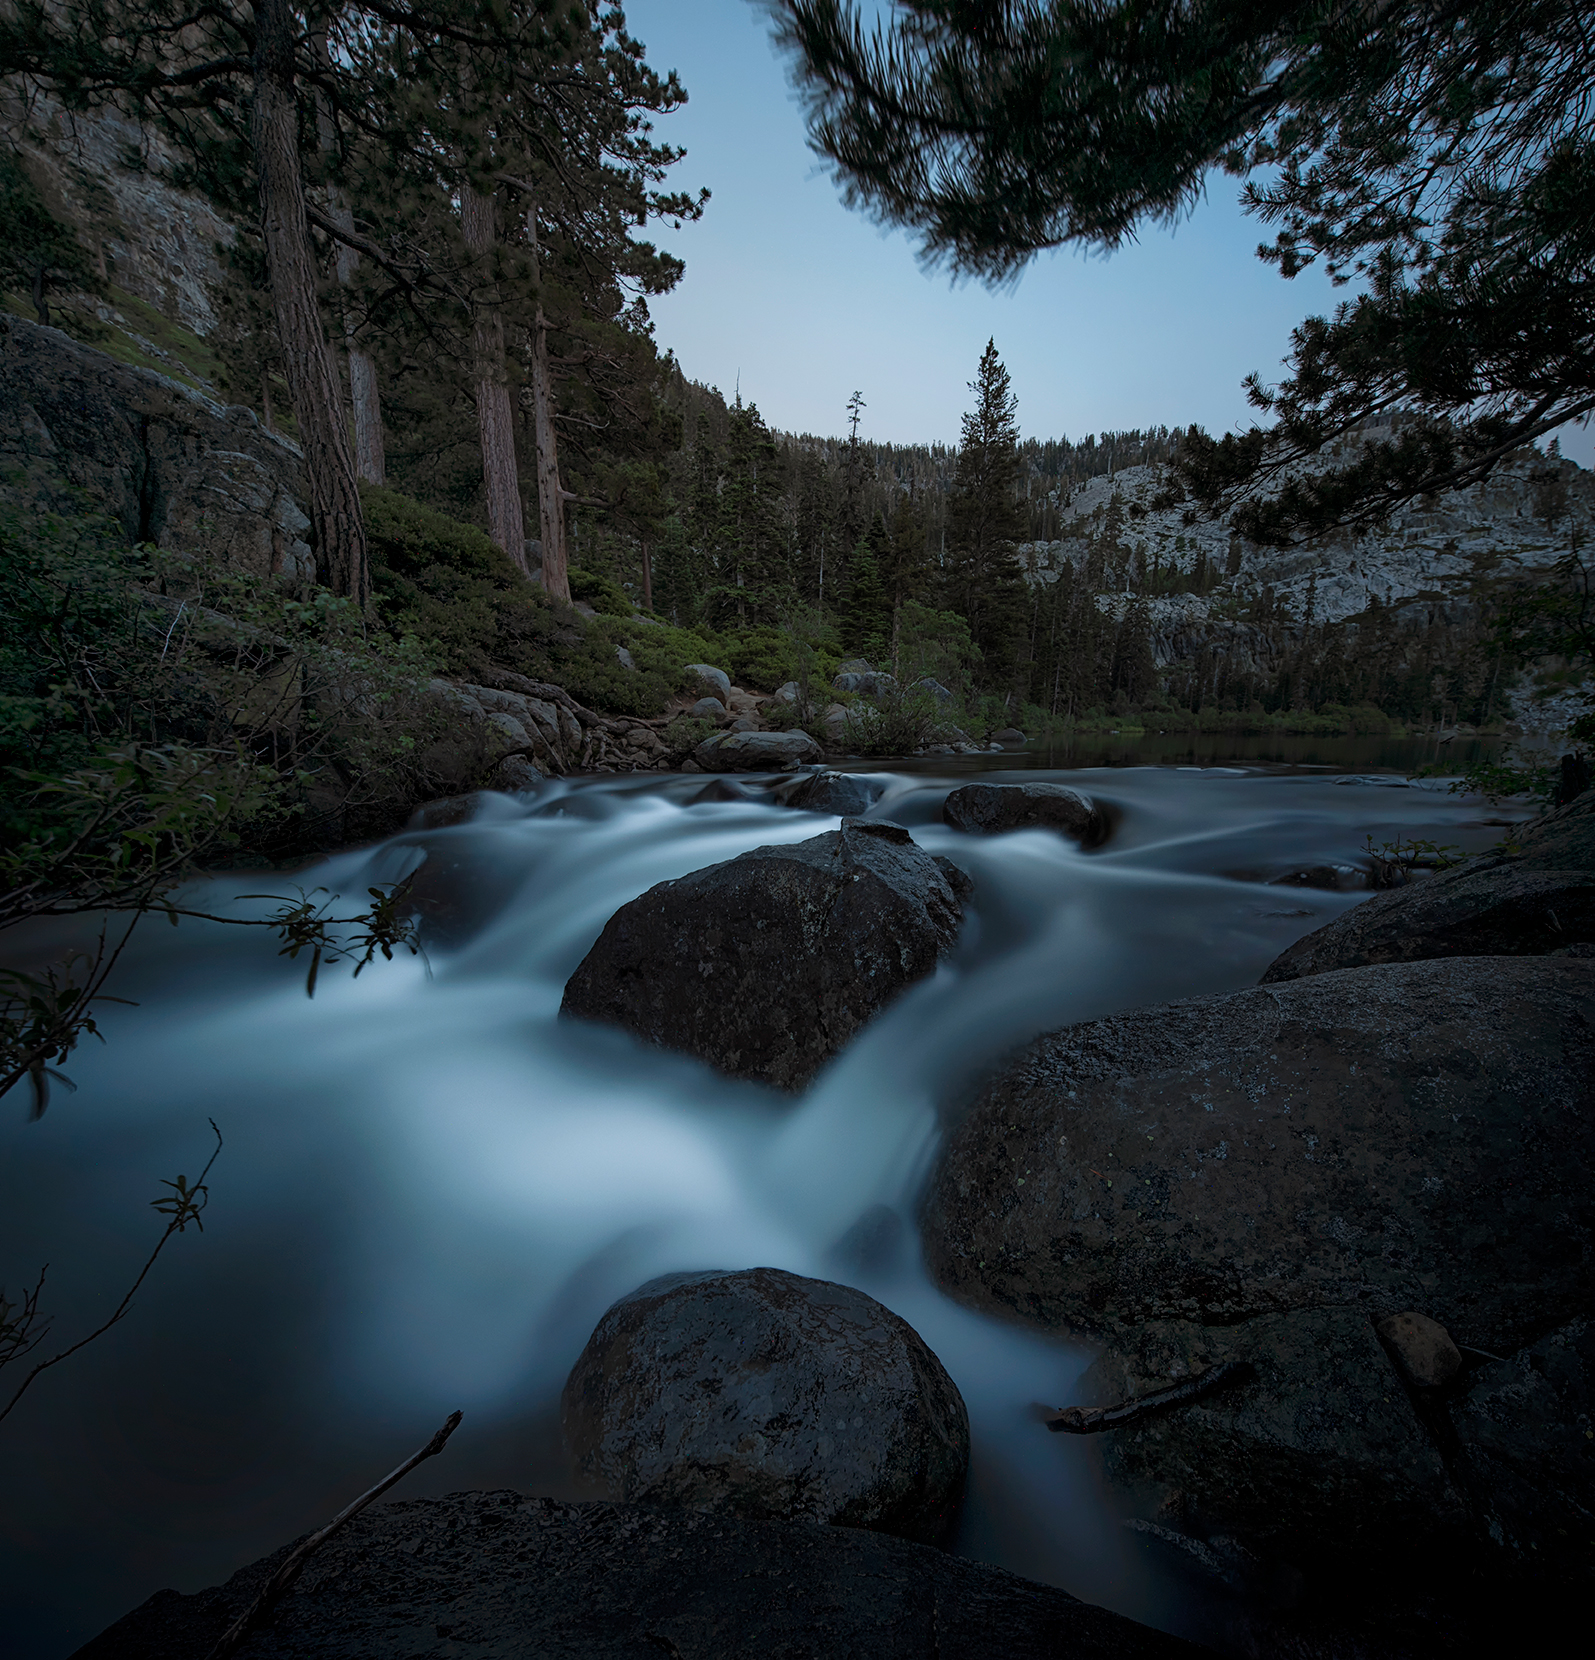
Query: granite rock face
{"type": "Point", "coordinates": [169, 465]}
{"type": "Point", "coordinates": [1410, 1136]}
{"type": "Point", "coordinates": [505, 1577]}
{"type": "Point", "coordinates": [768, 1396]}
{"type": "Point", "coordinates": [766, 965]}
{"type": "Point", "coordinates": [991, 809]}
{"type": "Point", "coordinates": [1531, 901]}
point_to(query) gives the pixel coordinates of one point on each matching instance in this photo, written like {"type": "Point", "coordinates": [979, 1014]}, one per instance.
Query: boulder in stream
{"type": "Point", "coordinates": [1535, 896]}
{"type": "Point", "coordinates": [766, 965]}
{"type": "Point", "coordinates": [826, 791]}
{"type": "Point", "coordinates": [756, 751]}
{"type": "Point", "coordinates": [500, 1574]}
{"type": "Point", "coordinates": [765, 1395]}
{"type": "Point", "coordinates": [1408, 1136]}
{"type": "Point", "coordinates": [991, 809]}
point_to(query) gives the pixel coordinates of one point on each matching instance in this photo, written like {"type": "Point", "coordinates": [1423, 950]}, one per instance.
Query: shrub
{"type": "Point", "coordinates": [605, 596]}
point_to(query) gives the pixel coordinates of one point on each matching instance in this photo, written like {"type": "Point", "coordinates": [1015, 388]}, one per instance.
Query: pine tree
{"type": "Point", "coordinates": [984, 522]}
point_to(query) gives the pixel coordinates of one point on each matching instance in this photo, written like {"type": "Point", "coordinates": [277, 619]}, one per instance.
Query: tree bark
{"type": "Point", "coordinates": [370, 459]}
{"type": "Point", "coordinates": [550, 493]}
{"type": "Point", "coordinates": [335, 517]}
{"type": "Point", "coordinates": [495, 414]}
{"type": "Point", "coordinates": [647, 577]}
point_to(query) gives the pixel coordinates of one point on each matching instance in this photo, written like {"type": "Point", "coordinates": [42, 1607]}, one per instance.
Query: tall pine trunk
{"type": "Point", "coordinates": [335, 517]}
{"type": "Point", "coordinates": [550, 493]}
{"type": "Point", "coordinates": [495, 414]}
{"type": "Point", "coordinates": [370, 459]}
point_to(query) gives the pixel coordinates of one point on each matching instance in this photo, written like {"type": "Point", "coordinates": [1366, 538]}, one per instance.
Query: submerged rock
{"type": "Point", "coordinates": [844, 793]}
{"type": "Point", "coordinates": [1536, 898]}
{"type": "Point", "coordinates": [765, 966]}
{"type": "Point", "coordinates": [500, 1574]}
{"type": "Point", "coordinates": [765, 1395]}
{"type": "Point", "coordinates": [990, 809]}
{"type": "Point", "coordinates": [1417, 1135]}
{"type": "Point", "coordinates": [756, 751]}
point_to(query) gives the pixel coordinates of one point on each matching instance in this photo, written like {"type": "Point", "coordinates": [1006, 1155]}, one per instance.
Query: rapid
{"type": "Point", "coordinates": [432, 1187]}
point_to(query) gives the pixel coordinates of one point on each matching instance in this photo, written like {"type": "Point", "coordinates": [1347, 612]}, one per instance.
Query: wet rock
{"type": "Point", "coordinates": [722, 789]}
{"type": "Point", "coordinates": [768, 1396]}
{"type": "Point", "coordinates": [1008, 735]}
{"type": "Point", "coordinates": [1421, 1348]}
{"type": "Point", "coordinates": [845, 793]}
{"type": "Point", "coordinates": [958, 879]}
{"type": "Point", "coordinates": [1535, 899]}
{"type": "Point", "coordinates": [1410, 1135]}
{"type": "Point", "coordinates": [765, 966]}
{"type": "Point", "coordinates": [1320, 1450]}
{"type": "Point", "coordinates": [715, 682]}
{"type": "Point", "coordinates": [499, 1574]}
{"type": "Point", "coordinates": [708, 708]}
{"type": "Point", "coordinates": [515, 775]}
{"type": "Point", "coordinates": [990, 809]}
{"type": "Point", "coordinates": [1526, 1434]}
{"type": "Point", "coordinates": [756, 751]}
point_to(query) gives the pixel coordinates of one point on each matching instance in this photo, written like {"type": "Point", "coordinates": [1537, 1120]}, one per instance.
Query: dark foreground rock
{"type": "Point", "coordinates": [990, 809]}
{"type": "Point", "coordinates": [1318, 1452]}
{"type": "Point", "coordinates": [756, 751]}
{"type": "Point", "coordinates": [1410, 1136]}
{"type": "Point", "coordinates": [765, 966]}
{"type": "Point", "coordinates": [766, 1395]}
{"type": "Point", "coordinates": [831, 792]}
{"type": "Point", "coordinates": [1532, 901]}
{"type": "Point", "coordinates": [506, 1577]}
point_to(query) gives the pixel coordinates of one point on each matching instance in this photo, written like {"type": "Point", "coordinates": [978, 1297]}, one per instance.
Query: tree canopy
{"type": "Point", "coordinates": [1438, 154]}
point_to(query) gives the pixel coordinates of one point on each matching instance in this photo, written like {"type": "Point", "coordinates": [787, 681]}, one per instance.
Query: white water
{"type": "Point", "coordinates": [432, 1187]}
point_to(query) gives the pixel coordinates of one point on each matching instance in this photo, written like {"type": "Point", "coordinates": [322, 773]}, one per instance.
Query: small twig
{"type": "Point", "coordinates": [1087, 1420]}
{"type": "Point", "coordinates": [260, 1609]}
{"type": "Point", "coordinates": [182, 1206]}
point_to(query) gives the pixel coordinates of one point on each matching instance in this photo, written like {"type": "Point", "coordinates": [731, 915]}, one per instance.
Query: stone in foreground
{"type": "Point", "coordinates": [768, 1396]}
{"type": "Point", "coordinates": [756, 751]}
{"type": "Point", "coordinates": [991, 809]}
{"type": "Point", "coordinates": [767, 965]}
{"type": "Point", "coordinates": [1529, 902]}
{"type": "Point", "coordinates": [1416, 1135]}
{"type": "Point", "coordinates": [506, 1577]}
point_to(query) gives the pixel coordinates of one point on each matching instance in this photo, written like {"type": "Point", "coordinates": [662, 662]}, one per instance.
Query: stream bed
{"type": "Point", "coordinates": [432, 1187]}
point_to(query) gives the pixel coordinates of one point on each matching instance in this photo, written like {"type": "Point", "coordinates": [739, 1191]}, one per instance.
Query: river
{"type": "Point", "coordinates": [432, 1187]}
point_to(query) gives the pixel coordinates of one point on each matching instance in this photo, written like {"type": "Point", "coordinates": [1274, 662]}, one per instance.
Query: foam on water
{"type": "Point", "coordinates": [432, 1186]}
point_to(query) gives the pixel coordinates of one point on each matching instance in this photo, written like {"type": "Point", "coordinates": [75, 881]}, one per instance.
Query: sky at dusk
{"type": "Point", "coordinates": [799, 299]}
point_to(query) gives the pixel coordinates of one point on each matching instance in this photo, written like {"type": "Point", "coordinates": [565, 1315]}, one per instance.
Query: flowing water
{"type": "Point", "coordinates": [432, 1187]}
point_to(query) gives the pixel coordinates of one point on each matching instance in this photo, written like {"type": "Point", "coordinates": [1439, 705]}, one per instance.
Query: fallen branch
{"type": "Point", "coordinates": [260, 1609]}
{"type": "Point", "coordinates": [1087, 1420]}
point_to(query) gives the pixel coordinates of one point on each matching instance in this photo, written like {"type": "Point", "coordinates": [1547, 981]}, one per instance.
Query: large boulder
{"type": "Point", "coordinates": [1317, 1450]}
{"type": "Point", "coordinates": [500, 1574]}
{"type": "Point", "coordinates": [865, 683]}
{"type": "Point", "coordinates": [756, 751]}
{"type": "Point", "coordinates": [1409, 1136]}
{"type": "Point", "coordinates": [768, 1396]}
{"type": "Point", "coordinates": [765, 966]}
{"type": "Point", "coordinates": [1535, 896]}
{"type": "Point", "coordinates": [990, 809]}
{"type": "Point", "coordinates": [715, 682]}
{"type": "Point", "coordinates": [825, 791]}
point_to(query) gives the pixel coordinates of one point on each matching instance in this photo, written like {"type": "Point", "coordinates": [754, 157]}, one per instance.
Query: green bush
{"type": "Point", "coordinates": [605, 596]}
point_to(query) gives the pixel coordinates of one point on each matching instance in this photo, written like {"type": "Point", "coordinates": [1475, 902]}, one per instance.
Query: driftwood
{"type": "Point", "coordinates": [1087, 1420]}
{"type": "Point", "coordinates": [259, 1611]}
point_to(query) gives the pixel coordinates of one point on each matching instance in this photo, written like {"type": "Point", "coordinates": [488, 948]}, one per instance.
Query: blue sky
{"type": "Point", "coordinates": [804, 300]}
